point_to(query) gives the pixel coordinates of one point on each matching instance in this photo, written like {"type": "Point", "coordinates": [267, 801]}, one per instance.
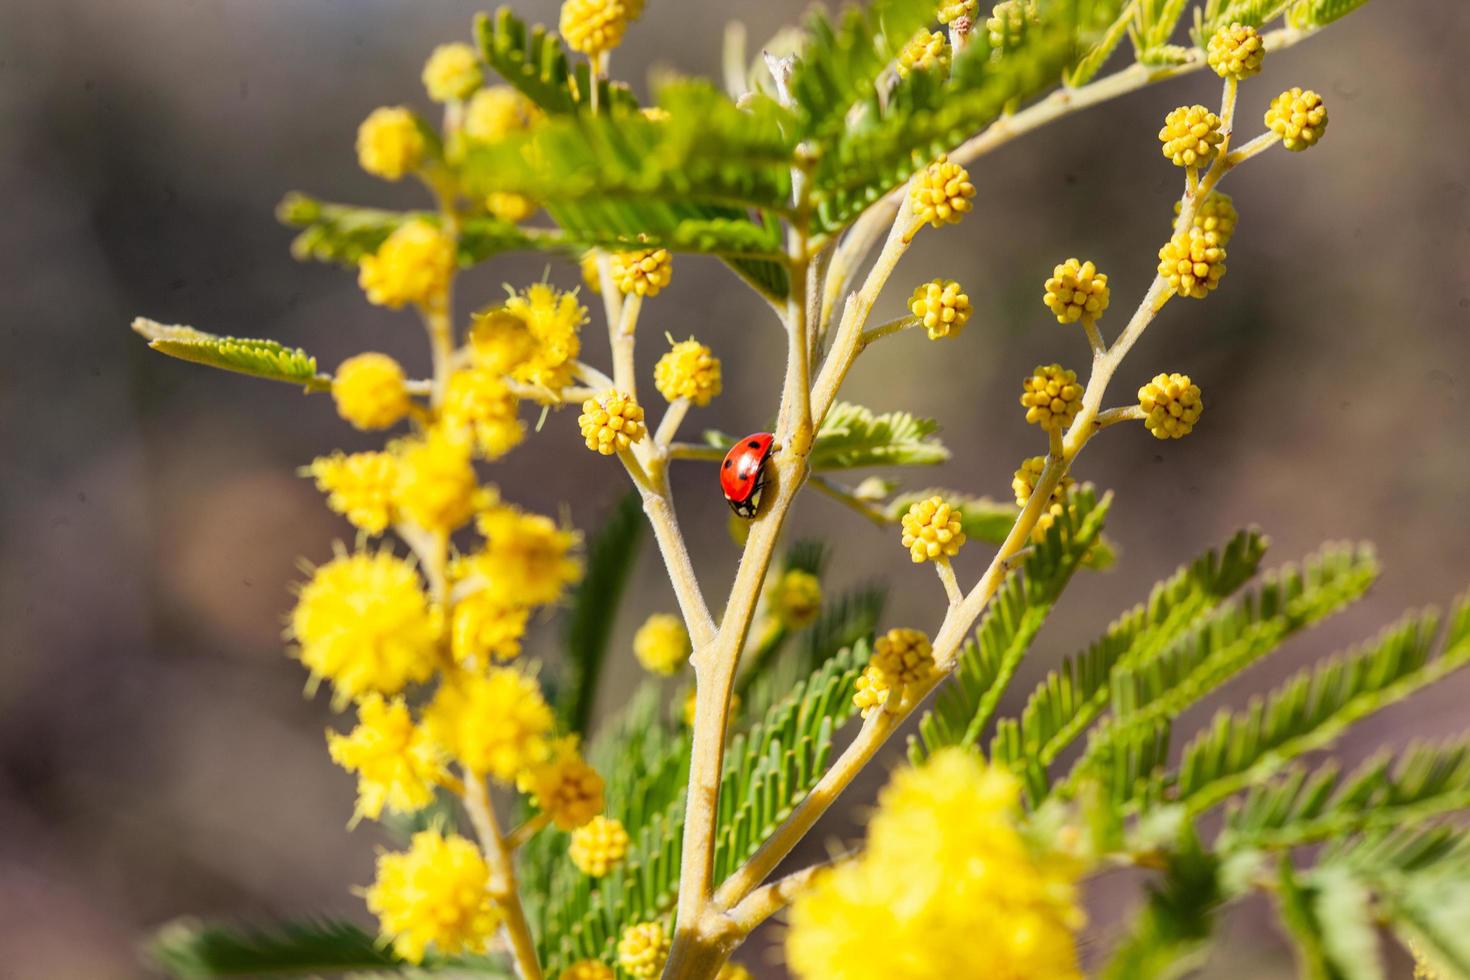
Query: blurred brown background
{"type": "Point", "coordinates": [157, 756]}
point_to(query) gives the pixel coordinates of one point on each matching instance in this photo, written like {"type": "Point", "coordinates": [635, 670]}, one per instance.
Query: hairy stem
{"type": "Point", "coordinates": [502, 877]}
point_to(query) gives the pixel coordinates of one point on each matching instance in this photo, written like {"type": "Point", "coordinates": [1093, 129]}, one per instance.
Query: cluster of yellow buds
{"type": "Point", "coordinates": [1236, 52]}
{"type": "Point", "coordinates": [932, 530]}
{"type": "Point", "coordinates": [1023, 484]}
{"type": "Point", "coordinates": [942, 193]}
{"type": "Point", "coordinates": [611, 422]}
{"type": "Point", "coordinates": [1215, 217]}
{"type": "Point", "coordinates": [925, 51]}
{"type": "Point", "coordinates": [795, 598]}
{"type": "Point", "coordinates": [952, 10]}
{"type": "Point", "coordinates": [643, 272]}
{"type": "Point", "coordinates": [901, 658]}
{"type": "Point", "coordinates": [1051, 396]}
{"type": "Point", "coordinates": [1076, 290]}
{"type": "Point", "coordinates": [598, 845]}
{"type": "Point", "coordinates": [1298, 117]}
{"type": "Point", "coordinates": [690, 371]}
{"type": "Point", "coordinates": [942, 307]}
{"type": "Point", "coordinates": [643, 949]}
{"type": "Point", "coordinates": [1008, 22]}
{"type": "Point", "coordinates": [1171, 405]}
{"type": "Point", "coordinates": [1192, 262]}
{"type": "Point", "coordinates": [565, 787]}
{"type": "Point", "coordinates": [595, 27]}
{"type": "Point", "coordinates": [1191, 136]}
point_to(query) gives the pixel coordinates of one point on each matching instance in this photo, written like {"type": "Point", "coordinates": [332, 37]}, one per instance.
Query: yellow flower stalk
{"type": "Point", "coordinates": [389, 143]}
{"type": "Point", "coordinates": [434, 895]}
{"type": "Point", "coordinates": [690, 371]}
{"type": "Point", "coordinates": [662, 644]}
{"type": "Point", "coordinates": [598, 845]}
{"type": "Point", "coordinates": [643, 949]}
{"type": "Point", "coordinates": [397, 763]}
{"type": "Point", "coordinates": [371, 391]}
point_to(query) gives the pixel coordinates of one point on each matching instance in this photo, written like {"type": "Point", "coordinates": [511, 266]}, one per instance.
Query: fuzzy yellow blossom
{"type": "Point", "coordinates": [949, 884]}
{"type": "Point", "coordinates": [1051, 396]}
{"type": "Point", "coordinates": [594, 27]}
{"type": "Point", "coordinates": [434, 894]}
{"type": "Point", "coordinates": [510, 207]}
{"type": "Point", "coordinates": [358, 486]}
{"type": "Point", "coordinates": [941, 306]}
{"type": "Point", "coordinates": [370, 391]}
{"type": "Point", "coordinates": [689, 370]}
{"type": "Point", "coordinates": [1076, 289]}
{"type": "Point", "coordinates": [598, 845]}
{"type": "Point", "coordinates": [661, 644]}
{"type": "Point", "coordinates": [591, 272]}
{"type": "Point", "coordinates": [364, 623]}
{"type": "Point", "coordinates": [1008, 22]}
{"type": "Point", "coordinates": [553, 317]}
{"type": "Point", "coordinates": [496, 112]}
{"type": "Point", "coordinates": [611, 422]}
{"type": "Point", "coordinates": [796, 598]}
{"type": "Point", "coordinates": [587, 970]}
{"type": "Point", "coordinates": [484, 629]}
{"type": "Point", "coordinates": [564, 787]}
{"type": "Point", "coordinates": [1024, 482]}
{"type": "Point", "coordinates": [1171, 405]}
{"type": "Point", "coordinates": [1192, 263]}
{"type": "Point", "coordinates": [478, 403]}
{"type": "Point", "coordinates": [452, 73]}
{"type": "Point", "coordinates": [389, 143]}
{"type": "Point", "coordinates": [942, 193]}
{"type": "Point", "coordinates": [499, 340]}
{"type": "Point", "coordinates": [1216, 217]}
{"type": "Point", "coordinates": [871, 690]}
{"type": "Point", "coordinates": [1191, 136]}
{"type": "Point", "coordinates": [1298, 117]}
{"type": "Point", "coordinates": [932, 530]}
{"type": "Point", "coordinates": [413, 265]}
{"type": "Point", "coordinates": [436, 487]}
{"type": "Point", "coordinates": [396, 762]}
{"type": "Point", "coordinates": [642, 272]}
{"type": "Point", "coordinates": [903, 657]}
{"type": "Point", "coordinates": [950, 10]}
{"type": "Point", "coordinates": [643, 949]}
{"type": "Point", "coordinates": [495, 723]}
{"type": "Point", "coordinates": [1236, 52]}
{"type": "Point", "coordinates": [527, 557]}
{"type": "Point", "coordinates": [925, 51]}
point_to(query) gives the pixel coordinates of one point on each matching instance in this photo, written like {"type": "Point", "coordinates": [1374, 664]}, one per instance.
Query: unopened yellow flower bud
{"type": "Point", "coordinates": [662, 644]}
{"type": "Point", "coordinates": [370, 391]}
{"type": "Point", "coordinates": [796, 598]}
{"type": "Point", "coordinates": [611, 422]}
{"type": "Point", "coordinates": [942, 193]}
{"type": "Point", "coordinates": [932, 530]}
{"type": "Point", "coordinates": [413, 265]}
{"type": "Point", "coordinates": [902, 657]}
{"type": "Point", "coordinates": [733, 971]}
{"type": "Point", "coordinates": [1076, 289]}
{"type": "Point", "coordinates": [598, 845]}
{"type": "Point", "coordinates": [925, 51]}
{"type": "Point", "coordinates": [643, 272]}
{"type": "Point", "coordinates": [1171, 405]}
{"type": "Point", "coordinates": [452, 73]}
{"type": "Point", "coordinates": [1191, 136]}
{"type": "Point", "coordinates": [1023, 484]}
{"type": "Point", "coordinates": [870, 692]}
{"type": "Point", "coordinates": [1298, 117]}
{"type": "Point", "coordinates": [496, 112]}
{"type": "Point", "coordinates": [509, 207]}
{"type": "Point", "coordinates": [1236, 52]}
{"type": "Point", "coordinates": [1008, 22]}
{"type": "Point", "coordinates": [1215, 216]}
{"type": "Point", "coordinates": [593, 27]}
{"type": "Point", "coordinates": [643, 949]}
{"type": "Point", "coordinates": [951, 9]}
{"type": "Point", "coordinates": [1051, 397]}
{"type": "Point", "coordinates": [941, 306]}
{"type": "Point", "coordinates": [389, 143]}
{"type": "Point", "coordinates": [1191, 263]}
{"type": "Point", "coordinates": [689, 370]}
{"type": "Point", "coordinates": [564, 787]}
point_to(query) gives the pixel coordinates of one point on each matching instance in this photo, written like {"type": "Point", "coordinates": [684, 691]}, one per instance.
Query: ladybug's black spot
{"type": "Point", "coordinates": [754, 444]}
{"type": "Point", "coordinates": [727, 464]}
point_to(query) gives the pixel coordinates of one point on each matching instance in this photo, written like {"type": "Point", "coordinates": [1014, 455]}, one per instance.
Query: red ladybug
{"type": "Point", "coordinates": [743, 473]}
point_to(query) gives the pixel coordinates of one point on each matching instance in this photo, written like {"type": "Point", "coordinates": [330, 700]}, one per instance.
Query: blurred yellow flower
{"type": "Point", "coordinates": [358, 486]}
{"type": "Point", "coordinates": [598, 845]}
{"type": "Point", "coordinates": [689, 370]}
{"type": "Point", "coordinates": [452, 72]}
{"type": "Point", "coordinates": [436, 488]}
{"type": "Point", "coordinates": [370, 391]}
{"type": "Point", "coordinates": [564, 787]}
{"type": "Point", "coordinates": [554, 318]}
{"type": "Point", "coordinates": [643, 949]}
{"type": "Point", "coordinates": [389, 143]}
{"type": "Point", "coordinates": [495, 723]}
{"type": "Point", "coordinates": [662, 644]}
{"type": "Point", "coordinates": [396, 762]}
{"type": "Point", "coordinates": [434, 894]}
{"type": "Point", "coordinates": [413, 265]}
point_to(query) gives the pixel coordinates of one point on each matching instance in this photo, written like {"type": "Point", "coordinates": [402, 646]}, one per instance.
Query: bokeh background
{"type": "Point", "coordinates": [157, 755]}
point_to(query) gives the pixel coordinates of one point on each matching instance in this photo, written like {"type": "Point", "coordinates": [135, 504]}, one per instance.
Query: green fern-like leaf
{"type": "Point", "coordinates": [344, 233]}
{"type": "Point", "coordinates": [1329, 917]}
{"type": "Point", "coordinates": [853, 436]}
{"type": "Point", "coordinates": [1428, 914]}
{"type": "Point", "coordinates": [534, 61]}
{"type": "Point", "coordinates": [266, 359]}
{"type": "Point", "coordinates": [1252, 13]}
{"type": "Point", "coordinates": [1319, 13]}
{"type": "Point", "coordinates": [1012, 620]}
{"type": "Point", "coordinates": [1170, 936]}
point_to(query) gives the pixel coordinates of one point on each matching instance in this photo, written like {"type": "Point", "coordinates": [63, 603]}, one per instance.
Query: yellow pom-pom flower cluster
{"type": "Point", "coordinates": [689, 370]}
{"type": "Point", "coordinates": [496, 112]}
{"type": "Point", "coordinates": [370, 391]}
{"type": "Point", "coordinates": [436, 487]}
{"type": "Point", "coordinates": [481, 407]}
{"type": "Point", "coordinates": [733, 971]}
{"type": "Point", "coordinates": [358, 486]}
{"type": "Point", "coordinates": [364, 623]}
{"type": "Point", "coordinates": [526, 556]}
{"type": "Point", "coordinates": [486, 628]}
{"type": "Point", "coordinates": [952, 10]}
{"type": "Point", "coordinates": [1008, 22]}
{"type": "Point", "coordinates": [902, 657]}
{"type": "Point", "coordinates": [796, 598]}
{"type": "Point", "coordinates": [1236, 52]}
{"type": "Point", "coordinates": [1024, 483]}
{"type": "Point", "coordinates": [942, 193]}
{"type": "Point", "coordinates": [870, 691]}
{"type": "Point", "coordinates": [1051, 397]}
{"type": "Point", "coordinates": [1076, 289]}
{"type": "Point", "coordinates": [1192, 262]}
{"type": "Point", "coordinates": [389, 143]}
{"type": "Point", "coordinates": [1298, 117]}
{"type": "Point", "coordinates": [941, 306]}
{"type": "Point", "coordinates": [413, 265]}
{"type": "Point", "coordinates": [643, 949]}
{"type": "Point", "coordinates": [554, 318]}
{"type": "Point", "coordinates": [452, 73]}
{"type": "Point", "coordinates": [397, 763]}
{"type": "Point", "coordinates": [1215, 217]}
{"type": "Point", "coordinates": [500, 341]}
{"type": "Point", "coordinates": [598, 845]}
{"type": "Point", "coordinates": [925, 51]}
{"type": "Point", "coordinates": [949, 884]}
{"type": "Point", "coordinates": [662, 644]}
{"type": "Point", "coordinates": [1191, 136]}
{"type": "Point", "coordinates": [434, 894]}
{"type": "Point", "coordinates": [565, 787]}
{"type": "Point", "coordinates": [594, 27]}
{"type": "Point", "coordinates": [495, 723]}
{"type": "Point", "coordinates": [1171, 405]}
{"type": "Point", "coordinates": [587, 970]}
{"type": "Point", "coordinates": [611, 423]}
{"type": "Point", "coordinates": [932, 530]}
{"type": "Point", "coordinates": [644, 272]}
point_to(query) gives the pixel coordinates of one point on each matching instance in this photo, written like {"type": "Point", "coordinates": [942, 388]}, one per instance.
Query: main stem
{"type": "Point", "coordinates": [502, 886]}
